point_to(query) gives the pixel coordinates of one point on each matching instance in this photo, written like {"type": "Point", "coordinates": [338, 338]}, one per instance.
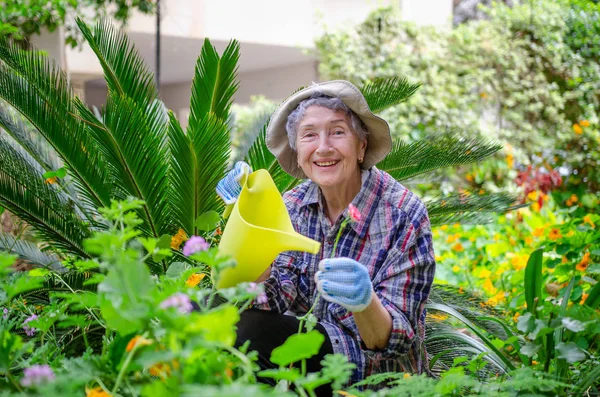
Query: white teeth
{"type": "Point", "coordinates": [326, 164]}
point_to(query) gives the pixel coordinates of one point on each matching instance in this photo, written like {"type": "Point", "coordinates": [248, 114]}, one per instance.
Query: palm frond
{"type": "Point", "coordinates": [182, 190]}
{"type": "Point", "coordinates": [210, 142]}
{"type": "Point", "coordinates": [17, 129]}
{"type": "Point", "coordinates": [214, 84]}
{"type": "Point", "coordinates": [24, 193]}
{"type": "Point", "coordinates": [260, 157]}
{"type": "Point", "coordinates": [29, 252]}
{"type": "Point", "coordinates": [124, 69]}
{"type": "Point", "coordinates": [386, 92]}
{"type": "Point", "coordinates": [38, 90]}
{"type": "Point", "coordinates": [140, 134]}
{"type": "Point", "coordinates": [407, 160]}
{"type": "Point", "coordinates": [469, 207]}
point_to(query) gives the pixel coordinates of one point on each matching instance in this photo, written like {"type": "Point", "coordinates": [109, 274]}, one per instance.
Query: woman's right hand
{"type": "Point", "coordinates": [229, 188]}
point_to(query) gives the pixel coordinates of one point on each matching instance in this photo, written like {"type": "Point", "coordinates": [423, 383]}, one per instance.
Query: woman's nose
{"type": "Point", "coordinates": [324, 145]}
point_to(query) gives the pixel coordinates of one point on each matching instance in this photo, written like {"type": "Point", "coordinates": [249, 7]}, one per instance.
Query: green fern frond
{"type": "Point", "coordinates": [469, 207]}
{"type": "Point", "coordinates": [29, 252]}
{"type": "Point", "coordinates": [260, 157]}
{"type": "Point", "coordinates": [124, 69]}
{"type": "Point", "coordinates": [407, 160]}
{"type": "Point", "coordinates": [386, 92]}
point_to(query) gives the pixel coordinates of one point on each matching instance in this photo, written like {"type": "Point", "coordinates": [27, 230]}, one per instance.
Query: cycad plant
{"type": "Point", "coordinates": [136, 147]}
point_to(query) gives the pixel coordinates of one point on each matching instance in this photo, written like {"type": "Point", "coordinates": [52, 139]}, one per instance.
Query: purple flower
{"type": "Point", "coordinates": [36, 375]}
{"type": "Point", "coordinates": [29, 331]}
{"type": "Point", "coordinates": [5, 311]}
{"type": "Point", "coordinates": [195, 244]}
{"type": "Point", "coordinates": [179, 301]}
{"type": "Point", "coordinates": [252, 287]}
{"type": "Point", "coordinates": [261, 299]}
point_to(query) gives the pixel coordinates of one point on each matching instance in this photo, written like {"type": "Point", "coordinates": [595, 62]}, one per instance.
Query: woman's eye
{"type": "Point", "coordinates": [338, 132]}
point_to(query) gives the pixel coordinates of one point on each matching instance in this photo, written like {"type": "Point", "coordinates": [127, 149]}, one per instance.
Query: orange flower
{"type": "Point", "coordinates": [178, 238]}
{"type": "Point", "coordinates": [516, 317]}
{"type": "Point", "coordinates": [585, 262]}
{"type": "Point", "coordinates": [452, 238]}
{"type": "Point", "coordinates": [483, 95]}
{"type": "Point", "coordinates": [458, 247]}
{"type": "Point", "coordinates": [588, 219]}
{"type": "Point", "coordinates": [574, 198]}
{"type": "Point", "coordinates": [569, 202]}
{"type": "Point", "coordinates": [345, 393]}
{"type": "Point", "coordinates": [461, 290]}
{"type": "Point", "coordinates": [96, 392]}
{"type": "Point", "coordinates": [584, 123]}
{"type": "Point", "coordinates": [528, 240]}
{"type": "Point", "coordinates": [532, 195]}
{"type": "Point", "coordinates": [583, 298]}
{"type": "Point", "coordinates": [469, 177]}
{"type": "Point", "coordinates": [51, 181]}
{"type": "Point", "coordinates": [538, 232]}
{"type": "Point", "coordinates": [535, 207]}
{"type": "Point", "coordinates": [510, 160]}
{"type": "Point", "coordinates": [481, 191]}
{"type": "Point", "coordinates": [496, 299]}
{"type": "Point", "coordinates": [137, 340]}
{"type": "Point", "coordinates": [554, 234]}
{"type": "Point", "coordinates": [564, 259]}
{"type": "Point", "coordinates": [194, 279]}
{"type": "Point", "coordinates": [577, 129]}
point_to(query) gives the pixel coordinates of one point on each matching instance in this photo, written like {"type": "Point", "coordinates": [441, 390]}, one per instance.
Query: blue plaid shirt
{"type": "Point", "coordinates": [393, 240]}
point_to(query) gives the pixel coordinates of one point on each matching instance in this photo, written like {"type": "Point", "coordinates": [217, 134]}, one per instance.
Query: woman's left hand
{"type": "Point", "coordinates": [346, 282]}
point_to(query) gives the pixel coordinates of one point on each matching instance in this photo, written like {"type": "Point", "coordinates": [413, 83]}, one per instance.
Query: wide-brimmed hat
{"type": "Point", "coordinates": [379, 141]}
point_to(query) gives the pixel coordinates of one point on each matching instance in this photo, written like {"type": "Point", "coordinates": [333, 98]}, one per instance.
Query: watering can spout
{"type": "Point", "coordinates": [259, 228]}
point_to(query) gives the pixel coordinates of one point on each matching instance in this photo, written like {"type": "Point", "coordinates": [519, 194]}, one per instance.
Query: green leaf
{"type": "Point", "coordinates": [49, 174]}
{"type": "Point", "coordinates": [176, 269]}
{"type": "Point", "coordinates": [297, 347]}
{"type": "Point", "coordinates": [573, 325]}
{"type": "Point", "coordinates": [570, 352]}
{"type": "Point", "coordinates": [289, 374]}
{"type": "Point", "coordinates": [533, 279]}
{"type": "Point", "coordinates": [61, 172]}
{"type": "Point", "coordinates": [208, 221]}
{"type": "Point", "coordinates": [337, 369]}
{"type": "Point", "coordinates": [217, 325]}
{"type": "Point", "coordinates": [11, 348]}
{"type": "Point", "coordinates": [386, 92]}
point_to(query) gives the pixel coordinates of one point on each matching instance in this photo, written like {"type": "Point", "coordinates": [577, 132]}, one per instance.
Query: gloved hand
{"type": "Point", "coordinates": [229, 188]}
{"type": "Point", "coordinates": [346, 282]}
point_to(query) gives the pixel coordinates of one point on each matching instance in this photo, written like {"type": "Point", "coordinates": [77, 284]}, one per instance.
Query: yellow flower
{"type": "Point", "coordinates": [483, 95]}
{"type": "Point", "coordinates": [532, 195]}
{"type": "Point", "coordinates": [455, 269]}
{"type": "Point", "coordinates": [588, 219]}
{"type": "Point", "coordinates": [488, 286]}
{"type": "Point", "coordinates": [444, 227]}
{"type": "Point", "coordinates": [554, 234]}
{"type": "Point", "coordinates": [496, 299]}
{"type": "Point", "coordinates": [519, 262]}
{"type": "Point", "coordinates": [516, 317]}
{"type": "Point", "coordinates": [194, 279]}
{"type": "Point", "coordinates": [577, 129]}
{"type": "Point", "coordinates": [469, 177]}
{"type": "Point", "coordinates": [535, 207]}
{"type": "Point", "coordinates": [461, 290]}
{"type": "Point", "coordinates": [481, 191]}
{"type": "Point", "coordinates": [458, 247]}
{"type": "Point", "coordinates": [584, 123]}
{"type": "Point", "coordinates": [538, 232]}
{"type": "Point", "coordinates": [528, 240]}
{"type": "Point", "coordinates": [163, 370]}
{"type": "Point", "coordinates": [438, 316]}
{"type": "Point", "coordinates": [452, 238]}
{"type": "Point", "coordinates": [585, 262]}
{"type": "Point", "coordinates": [406, 376]}
{"type": "Point", "coordinates": [510, 160]}
{"type": "Point", "coordinates": [51, 181]}
{"type": "Point", "coordinates": [96, 392]}
{"type": "Point", "coordinates": [137, 340]}
{"type": "Point", "coordinates": [533, 362]}
{"type": "Point", "coordinates": [484, 273]}
{"type": "Point", "coordinates": [178, 238]}
{"type": "Point", "coordinates": [570, 233]}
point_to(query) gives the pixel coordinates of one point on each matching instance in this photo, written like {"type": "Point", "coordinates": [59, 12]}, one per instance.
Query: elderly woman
{"type": "Point", "coordinates": [374, 289]}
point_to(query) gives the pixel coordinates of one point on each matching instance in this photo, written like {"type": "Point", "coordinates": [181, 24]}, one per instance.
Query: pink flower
{"type": "Point", "coordinates": [261, 299]}
{"type": "Point", "coordinates": [179, 301]}
{"type": "Point", "coordinates": [195, 244]}
{"type": "Point", "coordinates": [354, 213]}
{"type": "Point", "coordinates": [29, 331]}
{"type": "Point", "coordinates": [36, 375]}
{"type": "Point", "coordinates": [5, 312]}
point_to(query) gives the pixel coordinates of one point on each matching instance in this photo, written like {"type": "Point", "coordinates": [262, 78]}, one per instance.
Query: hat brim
{"type": "Point", "coordinates": [379, 141]}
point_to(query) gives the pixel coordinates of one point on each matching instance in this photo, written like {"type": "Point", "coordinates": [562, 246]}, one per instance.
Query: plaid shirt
{"type": "Point", "coordinates": [393, 240]}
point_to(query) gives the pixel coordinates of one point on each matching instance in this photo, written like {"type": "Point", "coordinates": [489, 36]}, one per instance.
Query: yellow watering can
{"type": "Point", "coordinates": [259, 228]}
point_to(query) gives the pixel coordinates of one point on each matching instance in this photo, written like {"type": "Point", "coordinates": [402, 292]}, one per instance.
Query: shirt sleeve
{"type": "Point", "coordinates": [281, 286]}
{"type": "Point", "coordinates": [404, 285]}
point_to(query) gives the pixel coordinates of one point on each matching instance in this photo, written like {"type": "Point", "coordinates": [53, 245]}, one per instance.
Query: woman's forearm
{"type": "Point", "coordinates": [374, 324]}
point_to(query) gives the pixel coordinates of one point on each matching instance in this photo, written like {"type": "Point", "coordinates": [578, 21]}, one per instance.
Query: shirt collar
{"type": "Point", "coordinates": [365, 201]}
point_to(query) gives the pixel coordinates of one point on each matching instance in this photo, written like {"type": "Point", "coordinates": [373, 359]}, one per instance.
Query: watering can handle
{"type": "Point", "coordinates": [229, 207]}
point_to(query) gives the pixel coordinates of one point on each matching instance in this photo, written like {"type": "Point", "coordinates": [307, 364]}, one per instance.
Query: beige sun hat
{"type": "Point", "coordinates": [379, 141]}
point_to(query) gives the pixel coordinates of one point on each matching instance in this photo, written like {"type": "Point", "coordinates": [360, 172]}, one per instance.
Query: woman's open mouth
{"type": "Point", "coordinates": [325, 164]}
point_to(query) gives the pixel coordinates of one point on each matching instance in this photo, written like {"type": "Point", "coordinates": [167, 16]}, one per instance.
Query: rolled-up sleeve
{"type": "Point", "coordinates": [404, 285]}
{"type": "Point", "coordinates": [281, 286]}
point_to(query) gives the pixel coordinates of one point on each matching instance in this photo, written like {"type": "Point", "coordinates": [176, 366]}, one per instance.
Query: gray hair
{"type": "Point", "coordinates": [333, 103]}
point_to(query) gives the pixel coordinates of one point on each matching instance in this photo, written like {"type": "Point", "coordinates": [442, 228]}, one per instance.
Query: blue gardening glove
{"type": "Point", "coordinates": [229, 188]}
{"type": "Point", "coordinates": [346, 282]}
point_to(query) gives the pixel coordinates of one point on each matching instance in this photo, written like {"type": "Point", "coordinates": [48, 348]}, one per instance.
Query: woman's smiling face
{"type": "Point", "coordinates": [328, 149]}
